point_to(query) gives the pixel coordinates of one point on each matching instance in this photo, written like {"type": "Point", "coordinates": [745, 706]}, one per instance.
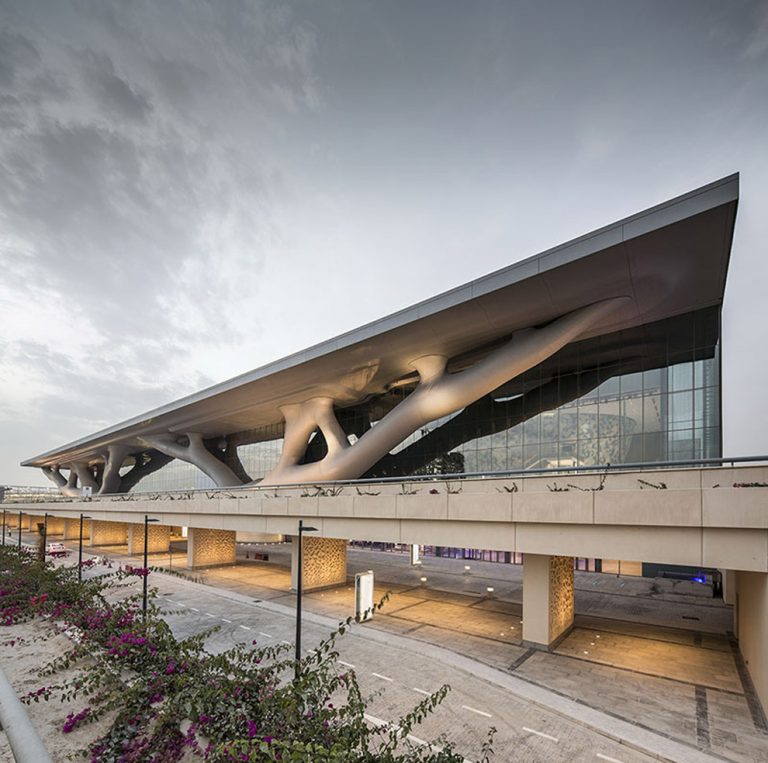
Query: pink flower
{"type": "Point", "coordinates": [73, 720]}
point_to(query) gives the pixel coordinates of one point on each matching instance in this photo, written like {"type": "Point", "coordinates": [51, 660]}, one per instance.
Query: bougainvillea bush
{"type": "Point", "coordinates": [170, 698]}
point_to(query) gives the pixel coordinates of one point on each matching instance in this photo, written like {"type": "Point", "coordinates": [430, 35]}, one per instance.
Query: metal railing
{"type": "Point", "coordinates": [45, 494]}
{"type": "Point", "coordinates": [27, 494]}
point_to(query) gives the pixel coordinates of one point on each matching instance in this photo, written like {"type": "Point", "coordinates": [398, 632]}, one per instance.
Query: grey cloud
{"type": "Point", "coordinates": [117, 97]}
{"type": "Point", "coordinates": [200, 187]}
{"type": "Point", "coordinates": [16, 51]}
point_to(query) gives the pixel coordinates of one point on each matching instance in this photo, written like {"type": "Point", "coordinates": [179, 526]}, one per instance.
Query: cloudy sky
{"type": "Point", "coordinates": [189, 190]}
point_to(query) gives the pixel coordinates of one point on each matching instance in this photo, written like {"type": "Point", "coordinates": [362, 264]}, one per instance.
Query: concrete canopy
{"type": "Point", "coordinates": [670, 260]}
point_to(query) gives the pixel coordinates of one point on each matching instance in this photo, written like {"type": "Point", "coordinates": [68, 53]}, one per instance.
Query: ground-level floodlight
{"type": "Point", "coordinates": [299, 581]}
{"type": "Point", "coordinates": [467, 569]}
{"type": "Point", "coordinates": [147, 520]}
{"type": "Point", "coordinates": [80, 551]}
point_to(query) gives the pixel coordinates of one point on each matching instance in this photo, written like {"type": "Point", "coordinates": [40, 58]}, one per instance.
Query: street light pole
{"type": "Point", "coordinates": [80, 551]}
{"type": "Point", "coordinates": [299, 582]}
{"type": "Point", "coordinates": [20, 513]}
{"type": "Point", "coordinates": [147, 520]}
{"type": "Point", "coordinates": [3, 526]}
{"type": "Point", "coordinates": [45, 532]}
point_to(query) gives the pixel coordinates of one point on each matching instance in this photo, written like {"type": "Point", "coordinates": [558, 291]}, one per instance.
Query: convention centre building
{"type": "Point", "coordinates": [563, 412]}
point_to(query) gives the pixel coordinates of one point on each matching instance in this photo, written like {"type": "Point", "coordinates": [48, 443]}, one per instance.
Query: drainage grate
{"type": "Point", "coordinates": [689, 617]}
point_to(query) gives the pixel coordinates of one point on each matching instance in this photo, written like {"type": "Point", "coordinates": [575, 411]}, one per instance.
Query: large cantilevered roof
{"type": "Point", "coordinates": [670, 260]}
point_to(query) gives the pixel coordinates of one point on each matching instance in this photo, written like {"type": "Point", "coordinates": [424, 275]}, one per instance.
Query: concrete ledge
{"type": "Point", "coordinates": [735, 507]}
{"type": "Point", "coordinates": [664, 508]}
{"type": "Point", "coordinates": [681, 523]}
{"type": "Point", "coordinates": [571, 507]}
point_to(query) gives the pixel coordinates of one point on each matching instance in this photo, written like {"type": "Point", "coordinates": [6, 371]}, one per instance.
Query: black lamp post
{"type": "Point", "coordinates": [3, 526]}
{"type": "Point", "coordinates": [80, 551]}
{"type": "Point", "coordinates": [20, 513]}
{"type": "Point", "coordinates": [147, 520]}
{"type": "Point", "coordinates": [299, 571]}
{"type": "Point", "coordinates": [45, 532]}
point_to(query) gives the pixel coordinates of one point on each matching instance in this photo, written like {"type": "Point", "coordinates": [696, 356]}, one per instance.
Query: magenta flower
{"type": "Point", "coordinates": [73, 720]}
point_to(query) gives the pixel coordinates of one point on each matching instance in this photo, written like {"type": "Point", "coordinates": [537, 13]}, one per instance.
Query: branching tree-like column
{"type": "Point", "coordinates": [438, 394]}
{"type": "Point", "coordinates": [113, 462]}
{"type": "Point", "coordinates": [67, 485]}
{"type": "Point", "coordinates": [195, 453]}
{"type": "Point", "coordinates": [85, 475]}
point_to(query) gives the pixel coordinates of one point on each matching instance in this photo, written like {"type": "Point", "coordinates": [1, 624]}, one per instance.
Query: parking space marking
{"type": "Point", "coordinates": [375, 721]}
{"type": "Point", "coordinates": [208, 614]}
{"type": "Point", "coordinates": [245, 627]}
{"type": "Point", "coordinates": [607, 758]}
{"type": "Point", "coordinates": [194, 609]}
{"type": "Point", "coordinates": [421, 691]}
{"type": "Point", "coordinates": [266, 635]}
{"type": "Point", "coordinates": [383, 678]}
{"type": "Point", "coordinates": [345, 664]}
{"type": "Point", "coordinates": [225, 620]}
{"type": "Point", "coordinates": [541, 734]}
{"type": "Point", "coordinates": [475, 710]}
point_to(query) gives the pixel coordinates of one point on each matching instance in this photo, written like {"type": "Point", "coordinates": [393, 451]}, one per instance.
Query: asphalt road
{"type": "Point", "coordinates": [398, 677]}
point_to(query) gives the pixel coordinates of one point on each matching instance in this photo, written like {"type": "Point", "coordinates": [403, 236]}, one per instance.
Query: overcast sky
{"type": "Point", "coordinates": [189, 190]}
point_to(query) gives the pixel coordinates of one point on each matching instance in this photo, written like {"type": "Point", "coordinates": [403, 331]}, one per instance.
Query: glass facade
{"type": "Point", "coordinates": [657, 415]}
{"type": "Point", "coordinates": [649, 394]}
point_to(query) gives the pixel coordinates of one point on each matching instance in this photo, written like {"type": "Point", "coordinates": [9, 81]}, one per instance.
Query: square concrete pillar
{"type": "Point", "coordinates": [72, 529]}
{"type": "Point", "coordinates": [547, 599]}
{"type": "Point", "coordinates": [55, 526]}
{"type": "Point", "coordinates": [752, 613]}
{"type": "Point", "coordinates": [729, 586]}
{"type": "Point", "coordinates": [208, 548]}
{"type": "Point", "coordinates": [158, 538]}
{"type": "Point", "coordinates": [108, 533]}
{"type": "Point", "coordinates": [324, 562]}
